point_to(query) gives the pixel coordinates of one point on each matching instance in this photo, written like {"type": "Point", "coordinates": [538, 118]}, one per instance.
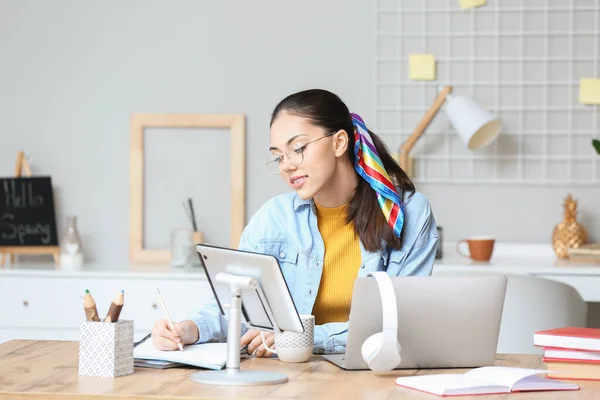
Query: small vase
{"type": "Point", "coordinates": [182, 248]}
{"type": "Point", "coordinates": [70, 249]}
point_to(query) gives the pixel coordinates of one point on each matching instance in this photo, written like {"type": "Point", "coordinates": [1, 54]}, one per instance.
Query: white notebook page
{"type": "Point", "coordinates": [198, 354]}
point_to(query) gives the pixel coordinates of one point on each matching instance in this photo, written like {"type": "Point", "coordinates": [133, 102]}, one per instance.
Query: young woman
{"type": "Point", "coordinates": [352, 210]}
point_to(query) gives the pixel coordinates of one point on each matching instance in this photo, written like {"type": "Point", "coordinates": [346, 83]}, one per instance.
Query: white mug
{"type": "Point", "coordinates": [292, 346]}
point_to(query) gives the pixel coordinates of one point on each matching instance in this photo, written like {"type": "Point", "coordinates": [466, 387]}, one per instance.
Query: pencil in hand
{"type": "Point", "coordinates": [115, 308]}
{"type": "Point", "coordinates": [169, 322]}
{"type": "Point", "coordinates": [91, 313]}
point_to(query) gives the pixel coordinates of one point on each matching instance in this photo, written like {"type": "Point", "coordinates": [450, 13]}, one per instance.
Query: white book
{"type": "Point", "coordinates": [206, 355]}
{"type": "Point", "coordinates": [562, 354]}
{"type": "Point", "coordinates": [484, 380]}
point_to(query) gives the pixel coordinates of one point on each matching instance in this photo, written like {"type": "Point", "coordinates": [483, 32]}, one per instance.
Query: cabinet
{"type": "Point", "coordinates": [528, 259]}
{"type": "Point", "coordinates": [48, 304]}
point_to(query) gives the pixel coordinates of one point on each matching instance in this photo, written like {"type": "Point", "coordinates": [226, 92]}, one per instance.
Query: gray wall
{"type": "Point", "coordinates": [522, 213]}
{"type": "Point", "coordinates": [72, 72]}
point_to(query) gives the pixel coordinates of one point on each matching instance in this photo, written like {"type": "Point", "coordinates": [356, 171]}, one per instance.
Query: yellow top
{"type": "Point", "coordinates": [340, 266]}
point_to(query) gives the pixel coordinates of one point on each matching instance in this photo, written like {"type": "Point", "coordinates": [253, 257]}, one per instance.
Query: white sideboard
{"type": "Point", "coordinates": [39, 302]}
{"type": "Point", "coordinates": [529, 259]}
{"type": "Point", "coordinates": [43, 303]}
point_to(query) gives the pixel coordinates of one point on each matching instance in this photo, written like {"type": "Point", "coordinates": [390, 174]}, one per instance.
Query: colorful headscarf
{"type": "Point", "coordinates": [368, 165]}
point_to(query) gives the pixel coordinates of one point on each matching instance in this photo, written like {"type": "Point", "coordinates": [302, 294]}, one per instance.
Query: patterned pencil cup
{"type": "Point", "coordinates": [106, 349]}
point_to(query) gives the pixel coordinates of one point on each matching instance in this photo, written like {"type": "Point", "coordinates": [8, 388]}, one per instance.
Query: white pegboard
{"type": "Point", "coordinates": [521, 60]}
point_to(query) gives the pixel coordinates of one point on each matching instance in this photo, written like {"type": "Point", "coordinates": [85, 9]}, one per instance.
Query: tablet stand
{"type": "Point", "coordinates": [232, 375]}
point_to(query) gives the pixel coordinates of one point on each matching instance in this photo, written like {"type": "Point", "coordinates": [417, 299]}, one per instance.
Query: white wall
{"type": "Point", "coordinates": [72, 72]}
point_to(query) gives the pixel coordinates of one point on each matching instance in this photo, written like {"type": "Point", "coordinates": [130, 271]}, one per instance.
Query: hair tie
{"type": "Point", "coordinates": [368, 165]}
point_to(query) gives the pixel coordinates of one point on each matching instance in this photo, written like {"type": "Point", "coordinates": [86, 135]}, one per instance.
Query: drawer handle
{"type": "Point", "coordinates": [25, 303]}
{"type": "Point", "coordinates": [154, 306]}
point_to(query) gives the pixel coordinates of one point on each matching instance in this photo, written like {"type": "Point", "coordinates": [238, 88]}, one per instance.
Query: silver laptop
{"type": "Point", "coordinates": [443, 321]}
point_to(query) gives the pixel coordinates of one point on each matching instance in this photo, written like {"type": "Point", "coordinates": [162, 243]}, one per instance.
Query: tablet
{"type": "Point", "coordinates": [265, 269]}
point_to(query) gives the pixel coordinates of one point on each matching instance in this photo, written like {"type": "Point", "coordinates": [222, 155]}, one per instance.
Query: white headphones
{"type": "Point", "coordinates": [381, 351]}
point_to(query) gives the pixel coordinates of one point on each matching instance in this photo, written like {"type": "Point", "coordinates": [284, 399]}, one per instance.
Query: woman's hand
{"type": "Point", "coordinates": [163, 338]}
{"type": "Point", "coordinates": [254, 341]}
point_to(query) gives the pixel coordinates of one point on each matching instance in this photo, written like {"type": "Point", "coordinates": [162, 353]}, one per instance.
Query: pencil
{"type": "Point", "coordinates": [89, 305]}
{"type": "Point", "coordinates": [115, 308]}
{"type": "Point", "coordinates": [162, 303]}
{"type": "Point", "coordinates": [192, 215]}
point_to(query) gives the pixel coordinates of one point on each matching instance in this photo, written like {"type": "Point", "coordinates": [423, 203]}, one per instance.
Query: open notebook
{"type": "Point", "coordinates": [207, 355]}
{"type": "Point", "coordinates": [484, 380]}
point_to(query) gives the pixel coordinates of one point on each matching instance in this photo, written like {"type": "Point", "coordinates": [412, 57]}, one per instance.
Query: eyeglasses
{"type": "Point", "coordinates": [294, 152]}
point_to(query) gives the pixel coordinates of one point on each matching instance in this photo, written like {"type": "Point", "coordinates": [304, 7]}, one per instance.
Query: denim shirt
{"type": "Point", "coordinates": [286, 228]}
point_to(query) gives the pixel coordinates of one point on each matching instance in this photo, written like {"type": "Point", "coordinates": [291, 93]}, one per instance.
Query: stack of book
{"type": "Point", "coordinates": [570, 352]}
{"type": "Point", "coordinates": [585, 253]}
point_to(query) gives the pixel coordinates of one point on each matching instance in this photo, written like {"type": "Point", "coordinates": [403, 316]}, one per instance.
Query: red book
{"type": "Point", "coordinates": [484, 380]}
{"type": "Point", "coordinates": [570, 337]}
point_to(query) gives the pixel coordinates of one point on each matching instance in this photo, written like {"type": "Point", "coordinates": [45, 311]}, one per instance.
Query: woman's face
{"type": "Point", "coordinates": [312, 164]}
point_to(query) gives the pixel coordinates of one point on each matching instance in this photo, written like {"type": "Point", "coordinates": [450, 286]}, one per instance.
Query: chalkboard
{"type": "Point", "coordinates": [27, 212]}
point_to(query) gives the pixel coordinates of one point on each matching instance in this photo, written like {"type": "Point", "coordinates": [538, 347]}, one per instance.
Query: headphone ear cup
{"type": "Point", "coordinates": [371, 346]}
{"type": "Point", "coordinates": [371, 351]}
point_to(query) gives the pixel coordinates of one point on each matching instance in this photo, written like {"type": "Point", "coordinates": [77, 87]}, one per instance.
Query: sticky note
{"type": "Point", "coordinates": [589, 91]}
{"type": "Point", "coordinates": [422, 67]}
{"type": "Point", "coordinates": [465, 4]}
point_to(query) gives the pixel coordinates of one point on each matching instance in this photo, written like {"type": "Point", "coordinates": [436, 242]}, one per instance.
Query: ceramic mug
{"type": "Point", "coordinates": [294, 347]}
{"type": "Point", "coordinates": [480, 247]}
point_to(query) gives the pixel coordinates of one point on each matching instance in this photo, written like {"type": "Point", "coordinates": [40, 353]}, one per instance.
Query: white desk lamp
{"type": "Point", "coordinates": [477, 127]}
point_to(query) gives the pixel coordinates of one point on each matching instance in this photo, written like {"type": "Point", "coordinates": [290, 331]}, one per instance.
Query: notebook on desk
{"type": "Point", "coordinates": [207, 355]}
{"type": "Point", "coordinates": [485, 380]}
{"type": "Point", "coordinates": [443, 321]}
{"type": "Point", "coordinates": [157, 364]}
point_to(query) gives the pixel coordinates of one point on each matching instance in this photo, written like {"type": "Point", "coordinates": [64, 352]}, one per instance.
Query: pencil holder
{"type": "Point", "coordinates": [106, 348]}
{"type": "Point", "coordinates": [183, 248]}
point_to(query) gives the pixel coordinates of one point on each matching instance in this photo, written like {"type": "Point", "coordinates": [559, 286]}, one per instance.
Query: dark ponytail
{"type": "Point", "coordinates": [328, 111]}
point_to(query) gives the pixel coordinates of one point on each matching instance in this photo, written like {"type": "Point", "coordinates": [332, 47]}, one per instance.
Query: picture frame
{"type": "Point", "coordinates": [236, 123]}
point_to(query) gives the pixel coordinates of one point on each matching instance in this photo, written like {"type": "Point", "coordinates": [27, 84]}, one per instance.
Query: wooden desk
{"type": "Point", "coordinates": [49, 370]}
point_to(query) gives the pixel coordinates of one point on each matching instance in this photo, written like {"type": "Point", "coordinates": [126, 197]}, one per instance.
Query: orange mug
{"type": "Point", "coordinates": [480, 248]}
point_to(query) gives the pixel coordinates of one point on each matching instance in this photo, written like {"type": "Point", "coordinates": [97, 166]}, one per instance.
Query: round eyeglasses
{"type": "Point", "coordinates": [294, 153]}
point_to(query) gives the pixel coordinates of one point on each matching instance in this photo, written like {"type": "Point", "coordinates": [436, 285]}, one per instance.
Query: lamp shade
{"type": "Point", "coordinates": [476, 126]}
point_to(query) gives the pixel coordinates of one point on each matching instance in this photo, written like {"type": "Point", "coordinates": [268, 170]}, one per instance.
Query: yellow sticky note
{"type": "Point", "coordinates": [422, 67]}
{"type": "Point", "coordinates": [472, 3]}
{"type": "Point", "coordinates": [589, 91]}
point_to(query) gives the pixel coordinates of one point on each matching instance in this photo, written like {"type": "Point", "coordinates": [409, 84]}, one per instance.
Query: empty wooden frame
{"type": "Point", "coordinates": [236, 124]}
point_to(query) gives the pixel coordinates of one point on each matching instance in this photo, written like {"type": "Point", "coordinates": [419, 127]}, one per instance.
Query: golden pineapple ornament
{"type": "Point", "coordinates": [568, 233]}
